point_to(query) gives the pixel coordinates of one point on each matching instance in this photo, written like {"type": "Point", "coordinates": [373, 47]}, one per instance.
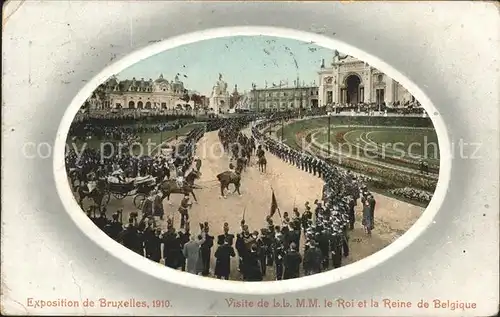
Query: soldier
{"type": "Point", "coordinates": [262, 249]}
{"type": "Point", "coordinates": [182, 239]}
{"type": "Point", "coordinates": [294, 235]}
{"type": "Point", "coordinates": [372, 203]}
{"type": "Point", "coordinates": [183, 209]}
{"type": "Point", "coordinates": [351, 212]}
{"type": "Point", "coordinates": [324, 245]}
{"type": "Point", "coordinates": [292, 262]}
{"type": "Point", "coordinates": [319, 208]}
{"type": "Point", "coordinates": [223, 257]}
{"type": "Point", "coordinates": [279, 256]}
{"type": "Point", "coordinates": [240, 245]}
{"type": "Point", "coordinates": [312, 259]}
{"type": "Point", "coordinates": [306, 218]}
{"type": "Point", "coordinates": [225, 236]}
{"type": "Point", "coordinates": [205, 249]}
{"type": "Point", "coordinates": [336, 243]}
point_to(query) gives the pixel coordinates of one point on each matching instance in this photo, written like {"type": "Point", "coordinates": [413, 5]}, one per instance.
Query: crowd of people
{"type": "Point", "coordinates": [324, 225]}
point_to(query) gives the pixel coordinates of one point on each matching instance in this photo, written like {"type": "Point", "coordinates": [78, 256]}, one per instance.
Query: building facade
{"type": "Point", "coordinates": [351, 81]}
{"type": "Point", "coordinates": [220, 100]}
{"type": "Point", "coordinates": [160, 94]}
{"type": "Point", "coordinates": [283, 98]}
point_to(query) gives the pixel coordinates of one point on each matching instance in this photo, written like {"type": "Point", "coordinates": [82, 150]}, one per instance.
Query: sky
{"type": "Point", "coordinates": [242, 60]}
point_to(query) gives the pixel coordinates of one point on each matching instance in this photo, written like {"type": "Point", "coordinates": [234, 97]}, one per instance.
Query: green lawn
{"type": "Point", "coordinates": [404, 143]}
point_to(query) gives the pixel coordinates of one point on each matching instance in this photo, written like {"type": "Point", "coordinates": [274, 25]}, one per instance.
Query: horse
{"type": "Point", "coordinates": [171, 187]}
{"type": "Point", "coordinates": [229, 177]}
{"type": "Point", "coordinates": [97, 195]}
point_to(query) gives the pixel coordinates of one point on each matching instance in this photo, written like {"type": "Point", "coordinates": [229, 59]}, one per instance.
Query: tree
{"type": "Point", "coordinates": [197, 99]}
{"type": "Point", "coordinates": [185, 97]}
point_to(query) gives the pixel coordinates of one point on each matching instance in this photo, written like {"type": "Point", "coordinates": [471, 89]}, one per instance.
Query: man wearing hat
{"type": "Point", "coordinates": [372, 203]}
{"type": "Point", "coordinates": [171, 246]}
{"type": "Point", "coordinates": [206, 248]}
{"type": "Point", "coordinates": [251, 266]}
{"type": "Point", "coordinates": [223, 257]}
{"type": "Point", "coordinates": [279, 254]}
{"type": "Point", "coordinates": [312, 259]}
{"type": "Point", "coordinates": [114, 227]}
{"type": "Point", "coordinates": [183, 237]}
{"type": "Point", "coordinates": [336, 241]}
{"type": "Point", "coordinates": [225, 236]}
{"type": "Point", "coordinates": [153, 245]}
{"type": "Point", "coordinates": [292, 262]}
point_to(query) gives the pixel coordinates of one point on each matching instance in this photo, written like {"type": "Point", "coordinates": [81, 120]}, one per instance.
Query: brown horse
{"type": "Point", "coordinates": [171, 187]}
{"type": "Point", "coordinates": [229, 177]}
{"type": "Point", "coordinates": [97, 195]}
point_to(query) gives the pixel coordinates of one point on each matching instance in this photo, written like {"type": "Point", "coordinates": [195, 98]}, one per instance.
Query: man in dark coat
{"type": "Point", "coordinates": [182, 239]}
{"type": "Point", "coordinates": [367, 217]}
{"type": "Point", "coordinates": [372, 203]}
{"type": "Point", "coordinates": [336, 248]}
{"type": "Point", "coordinates": [279, 256]}
{"type": "Point", "coordinates": [223, 257]}
{"type": "Point", "coordinates": [312, 259]}
{"type": "Point", "coordinates": [114, 227]}
{"type": "Point", "coordinates": [225, 236]}
{"type": "Point", "coordinates": [171, 247]}
{"type": "Point", "coordinates": [152, 246]}
{"type": "Point", "coordinates": [205, 250]}
{"type": "Point", "coordinates": [251, 265]}
{"type": "Point", "coordinates": [292, 262]}
{"type": "Point", "coordinates": [351, 212]}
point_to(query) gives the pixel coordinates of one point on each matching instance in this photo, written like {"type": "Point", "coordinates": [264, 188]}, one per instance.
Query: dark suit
{"type": "Point", "coordinates": [223, 261]}
{"type": "Point", "coordinates": [251, 267]}
{"type": "Point", "coordinates": [292, 264]}
{"type": "Point", "coordinates": [205, 254]}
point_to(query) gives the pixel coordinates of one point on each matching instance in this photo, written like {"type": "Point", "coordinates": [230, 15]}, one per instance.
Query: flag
{"type": "Point", "coordinates": [274, 205]}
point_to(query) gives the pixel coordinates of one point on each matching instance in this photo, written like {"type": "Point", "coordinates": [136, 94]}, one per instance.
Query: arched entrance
{"type": "Point", "coordinates": [140, 105]}
{"type": "Point", "coordinates": [131, 105]}
{"type": "Point", "coordinates": [352, 88]}
{"type": "Point", "coordinates": [148, 105]}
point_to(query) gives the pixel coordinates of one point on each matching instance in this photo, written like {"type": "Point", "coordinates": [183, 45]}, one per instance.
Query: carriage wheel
{"type": "Point", "coordinates": [139, 200]}
{"type": "Point", "coordinates": [119, 195]}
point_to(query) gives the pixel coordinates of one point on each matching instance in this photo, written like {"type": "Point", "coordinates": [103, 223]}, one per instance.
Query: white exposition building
{"type": "Point", "coordinates": [351, 81]}
{"type": "Point", "coordinates": [141, 94]}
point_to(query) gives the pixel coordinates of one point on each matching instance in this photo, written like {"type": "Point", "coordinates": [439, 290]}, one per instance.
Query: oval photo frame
{"type": "Point", "coordinates": [255, 288]}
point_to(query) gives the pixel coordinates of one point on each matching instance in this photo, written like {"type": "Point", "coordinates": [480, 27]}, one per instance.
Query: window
{"type": "Point", "coordinates": [380, 77]}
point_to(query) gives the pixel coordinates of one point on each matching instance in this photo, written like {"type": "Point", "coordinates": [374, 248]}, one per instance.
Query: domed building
{"type": "Point", "coordinates": [351, 81]}
{"type": "Point", "coordinates": [160, 94]}
{"type": "Point", "coordinates": [219, 99]}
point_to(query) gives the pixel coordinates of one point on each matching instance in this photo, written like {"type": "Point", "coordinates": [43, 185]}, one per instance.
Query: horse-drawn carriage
{"type": "Point", "coordinates": [139, 187]}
